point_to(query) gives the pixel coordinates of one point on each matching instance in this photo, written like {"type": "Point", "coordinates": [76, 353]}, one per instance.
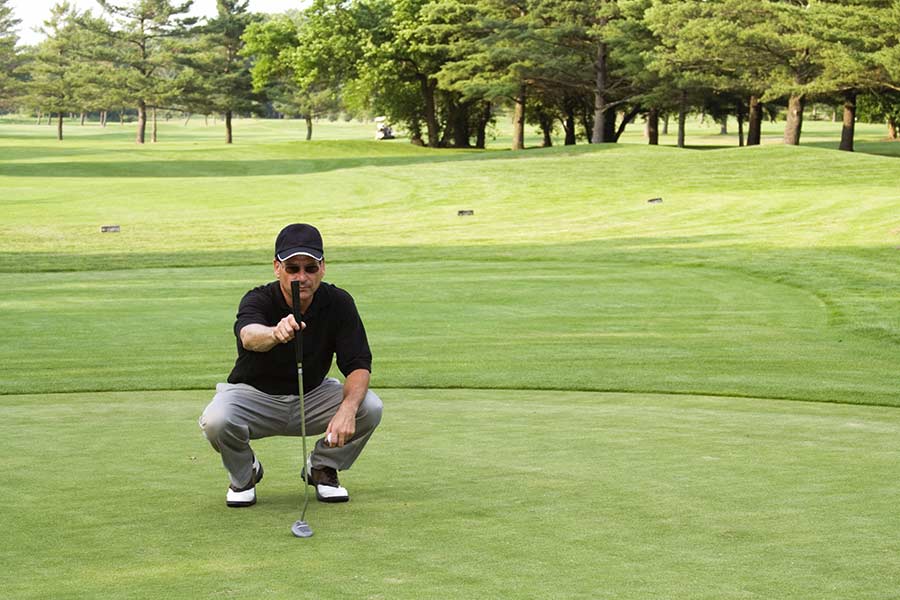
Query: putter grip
{"type": "Point", "coordinates": [298, 340]}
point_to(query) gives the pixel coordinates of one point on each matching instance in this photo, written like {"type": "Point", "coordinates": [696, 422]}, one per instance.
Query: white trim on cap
{"type": "Point", "coordinates": [300, 253]}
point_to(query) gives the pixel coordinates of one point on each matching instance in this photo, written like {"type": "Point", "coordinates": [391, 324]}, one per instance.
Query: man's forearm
{"type": "Point", "coordinates": [258, 338]}
{"type": "Point", "coordinates": [355, 387]}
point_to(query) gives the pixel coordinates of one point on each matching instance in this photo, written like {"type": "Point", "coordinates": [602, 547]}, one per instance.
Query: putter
{"type": "Point", "coordinates": [300, 528]}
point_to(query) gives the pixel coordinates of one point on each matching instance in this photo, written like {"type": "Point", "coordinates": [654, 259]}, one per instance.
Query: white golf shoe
{"type": "Point", "coordinates": [325, 480]}
{"type": "Point", "coordinates": [246, 496]}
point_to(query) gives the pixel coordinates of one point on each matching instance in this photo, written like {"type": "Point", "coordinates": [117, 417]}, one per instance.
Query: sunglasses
{"type": "Point", "coordinates": [294, 269]}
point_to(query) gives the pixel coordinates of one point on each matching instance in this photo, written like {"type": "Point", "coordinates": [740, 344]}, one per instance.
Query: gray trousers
{"type": "Point", "coordinates": [239, 413]}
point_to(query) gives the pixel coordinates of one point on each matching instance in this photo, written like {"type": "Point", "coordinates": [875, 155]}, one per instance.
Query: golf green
{"type": "Point", "coordinates": [500, 494]}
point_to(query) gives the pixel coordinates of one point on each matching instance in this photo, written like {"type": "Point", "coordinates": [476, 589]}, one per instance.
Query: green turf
{"type": "Point", "coordinates": [585, 384]}
{"type": "Point", "coordinates": [462, 494]}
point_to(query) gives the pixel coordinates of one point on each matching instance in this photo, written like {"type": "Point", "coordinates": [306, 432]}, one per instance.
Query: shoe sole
{"type": "Point", "coordinates": [239, 504]}
{"type": "Point", "coordinates": [336, 500]}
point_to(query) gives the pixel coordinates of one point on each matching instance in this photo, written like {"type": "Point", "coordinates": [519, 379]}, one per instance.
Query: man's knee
{"type": "Point", "coordinates": [370, 409]}
{"type": "Point", "coordinates": [216, 419]}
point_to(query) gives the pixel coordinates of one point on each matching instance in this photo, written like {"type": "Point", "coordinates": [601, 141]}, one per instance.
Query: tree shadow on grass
{"type": "Point", "coordinates": [884, 148]}
{"type": "Point", "coordinates": [18, 153]}
{"type": "Point", "coordinates": [140, 168]}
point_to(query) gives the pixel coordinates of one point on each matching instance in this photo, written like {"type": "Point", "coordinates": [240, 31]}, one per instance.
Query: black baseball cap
{"type": "Point", "coordinates": [299, 238]}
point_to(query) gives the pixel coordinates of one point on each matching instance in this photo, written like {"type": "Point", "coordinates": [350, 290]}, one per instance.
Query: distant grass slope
{"type": "Point", "coordinates": [768, 271]}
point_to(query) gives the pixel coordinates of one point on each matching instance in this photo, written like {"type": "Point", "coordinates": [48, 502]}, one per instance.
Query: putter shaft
{"type": "Point", "coordinates": [301, 528]}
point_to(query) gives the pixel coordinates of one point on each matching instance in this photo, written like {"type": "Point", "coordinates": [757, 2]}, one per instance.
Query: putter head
{"type": "Point", "coordinates": [301, 529]}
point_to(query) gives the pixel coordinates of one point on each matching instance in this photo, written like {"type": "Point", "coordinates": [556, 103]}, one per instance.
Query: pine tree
{"type": "Point", "coordinates": [10, 56]}
{"type": "Point", "coordinates": [218, 77]}
{"type": "Point", "coordinates": [54, 76]}
{"type": "Point", "coordinates": [138, 47]}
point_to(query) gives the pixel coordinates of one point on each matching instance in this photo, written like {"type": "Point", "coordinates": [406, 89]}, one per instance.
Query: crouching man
{"type": "Point", "coordinates": [261, 397]}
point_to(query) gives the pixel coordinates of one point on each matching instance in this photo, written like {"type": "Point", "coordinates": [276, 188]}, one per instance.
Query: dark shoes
{"type": "Point", "coordinates": [325, 480]}
{"type": "Point", "coordinates": [238, 498]}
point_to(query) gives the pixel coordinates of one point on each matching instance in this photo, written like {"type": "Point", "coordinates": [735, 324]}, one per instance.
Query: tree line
{"type": "Point", "coordinates": [444, 68]}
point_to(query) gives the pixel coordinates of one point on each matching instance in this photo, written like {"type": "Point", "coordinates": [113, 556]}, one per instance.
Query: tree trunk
{"type": "Point", "coordinates": [459, 115]}
{"type": "Point", "coordinates": [587, 121]}
{"type": "Point", "coordinates": [153, 128]}
{"type": "Point", "coordinates": [723, 130]}
{"type": "Point", "coordinates": [228, 132]}
{"type": "Point", "coordinates": [546, 123]}
{"type": "Point", "coordinates": [601, 74]}
{"type": "Point", "coordinates": [609, 126]}
{"type": "Point", "coordinates": [518, 142]}
{"type": "Point", "coordinates": [892, 128]}
{"type": "Point", "coordinates": [431, 125]}
{"type": "Point", "coordinates": [665, 127]}
{"type": "Point", "coordinates": [569, 125]}
{"type": "Point", "coordinates": [626, 119]}
{"type": "Point", "coordinates": [103, 116]}
{"type": "Point", "coordinates": [309, 125]}
{"type": "Point", "coordinates": [187, 119]}
{"type": "Point", "coordinates": [849, 121]}
{"type": "Point", "coordinates": [653, 127]}
{"type": "Point", "coordinates": [754, 122]}
{"type": "Point", "coordinates": [739, 113]}
{"type": "Point", "coordinates": [142, 122]}
{"type": "Point", "coordinates": [483, 120]}
{"type": "Point", "coordinates": [50, 118]}
{"type": "Point", "coordinates": [445, 134]}
{"type": "Point", "coordinates": [682, 117]}
{"type": "Point", "coordinates": [415, 132]}
{"type": "Point", "coordinates": [83, 115]}
{"type": "Point", "coordinates": [59, 126]}
{"type": "Point", "coordinates": [794, 124]}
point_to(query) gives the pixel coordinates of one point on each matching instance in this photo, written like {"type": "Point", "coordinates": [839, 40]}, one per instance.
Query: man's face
{"type": "Point", "coordinates": [297, 268]}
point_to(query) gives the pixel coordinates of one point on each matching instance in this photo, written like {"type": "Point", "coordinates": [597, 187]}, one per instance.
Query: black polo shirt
{"type": "Point", "coordinates": [333, 327]}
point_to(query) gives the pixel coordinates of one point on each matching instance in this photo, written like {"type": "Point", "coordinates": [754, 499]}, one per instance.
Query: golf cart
{"type": "Point", "coordinates": [383, 130]}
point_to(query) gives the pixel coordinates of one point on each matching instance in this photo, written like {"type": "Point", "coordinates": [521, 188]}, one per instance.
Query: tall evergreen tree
{"type": "Point", "coordinates": [54, 76]}
{"type": "Point", "coordinates": [496, 57]}
{"type": "Point", "coordinates": [218, 79]}
{"type": "Point", "coordinates": [10, 55]}
{"type": "Point", "coordinates": [854, 34]}
{"type": "Point", "coordinates": [138, 48]}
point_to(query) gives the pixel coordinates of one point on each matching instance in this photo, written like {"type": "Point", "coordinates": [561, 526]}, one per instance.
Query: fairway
{"type": "Point", "coordinates": [587, 395]}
